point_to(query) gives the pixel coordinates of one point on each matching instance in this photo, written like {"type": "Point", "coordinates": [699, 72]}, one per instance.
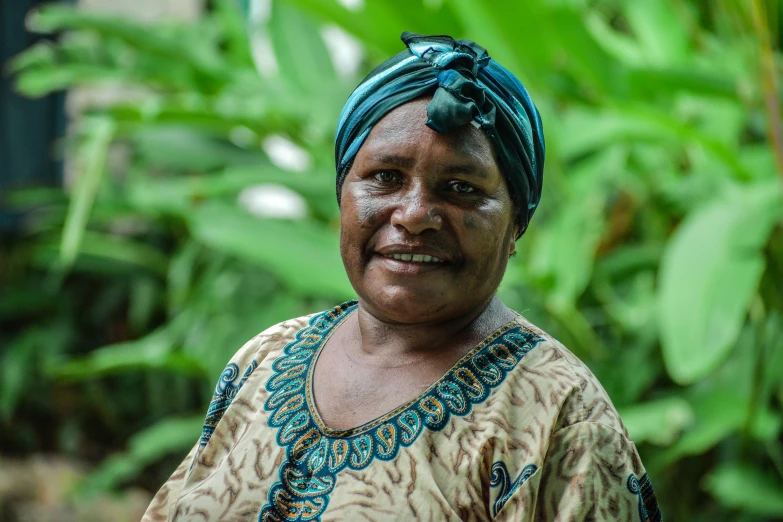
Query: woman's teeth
{"type": "Point", "coordinates": [415, 258]}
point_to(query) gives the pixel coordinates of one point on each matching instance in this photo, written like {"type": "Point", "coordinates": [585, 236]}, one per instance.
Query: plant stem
{"type": "Point", "coordinates": [768, 81]}
{"type": "Point", "coordinates": [776, 456]}
{"type": "Point", "coordinates": [757, 316]}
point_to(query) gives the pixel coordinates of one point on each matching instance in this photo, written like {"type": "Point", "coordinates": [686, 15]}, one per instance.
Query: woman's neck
{"type": "Point", "coordinates": [385, 343]}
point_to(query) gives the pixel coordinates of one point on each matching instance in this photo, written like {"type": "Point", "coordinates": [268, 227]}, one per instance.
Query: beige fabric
{"type": "Point", "coordinates": [542, 443]}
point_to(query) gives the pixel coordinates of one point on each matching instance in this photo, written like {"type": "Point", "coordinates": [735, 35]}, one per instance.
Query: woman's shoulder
{"type": "Point", "coordinates": [269, 341]}
{"type": "Point", "coordinates": [570, 384]}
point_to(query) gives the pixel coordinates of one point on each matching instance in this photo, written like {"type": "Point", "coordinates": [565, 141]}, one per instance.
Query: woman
{"type": "Point", "coordinates": [428, 399]}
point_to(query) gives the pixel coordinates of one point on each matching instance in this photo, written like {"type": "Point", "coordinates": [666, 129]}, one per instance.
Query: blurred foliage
{"type": "Point", "coordinates": [656, 255]}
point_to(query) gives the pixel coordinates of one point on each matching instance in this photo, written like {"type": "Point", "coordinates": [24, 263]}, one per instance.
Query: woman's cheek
{"type": "Point", "coordinates": [369, 210]}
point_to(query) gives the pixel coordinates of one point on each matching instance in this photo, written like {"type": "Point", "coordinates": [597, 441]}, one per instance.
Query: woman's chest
{"type": "Point", "coordinates": [348, 396]}
{"type": "Point", "coordinates": [439, 476]}
{"type": "Point", "coordinates": [267, 455]}
{"type": "Point", "coordinates": [350, 390]}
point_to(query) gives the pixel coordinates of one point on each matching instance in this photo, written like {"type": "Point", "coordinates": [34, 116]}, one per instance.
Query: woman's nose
{"type": "Point", "coordinates": [417, 211]}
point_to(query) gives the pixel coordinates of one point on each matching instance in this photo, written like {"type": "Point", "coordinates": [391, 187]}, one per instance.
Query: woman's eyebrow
{"type": "Point", "coordinates": [405, 162]}
{"type": "Point", "coordinates": [464, 169]}
{"type": "Point", "coordinates": [402, 162]}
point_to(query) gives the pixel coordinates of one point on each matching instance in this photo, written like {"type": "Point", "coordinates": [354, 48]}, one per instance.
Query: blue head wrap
{"type": "Point", "coordinates": [467, 86]}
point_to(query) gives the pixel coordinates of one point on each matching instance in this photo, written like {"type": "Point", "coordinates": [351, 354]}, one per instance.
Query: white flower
{"type": "Point", "coordinates": [286, 154]}
{"type": "Point", "coordinates": [352, 5]}
{"type": "Point", "coordinates": [272, 200]}
{"type": "Point", "coordinates": [345, 50]}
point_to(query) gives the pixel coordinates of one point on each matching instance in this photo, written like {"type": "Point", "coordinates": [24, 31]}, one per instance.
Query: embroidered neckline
{"type": "Point", "coordinates": [333, 433]}
{"type": "Point", "coordinates": [314, 455]}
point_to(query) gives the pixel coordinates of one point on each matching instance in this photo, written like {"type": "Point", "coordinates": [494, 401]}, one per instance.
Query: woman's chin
{"type": "Point", "coordinates": [409, 306]}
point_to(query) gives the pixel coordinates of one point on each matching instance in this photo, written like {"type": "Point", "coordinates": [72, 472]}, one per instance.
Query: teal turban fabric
{"type": "Point", "coordinates": [467, 86]}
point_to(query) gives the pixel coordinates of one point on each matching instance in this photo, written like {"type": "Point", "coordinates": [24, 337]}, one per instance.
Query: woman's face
{"type": "Point", "coordinates": [427, 223]}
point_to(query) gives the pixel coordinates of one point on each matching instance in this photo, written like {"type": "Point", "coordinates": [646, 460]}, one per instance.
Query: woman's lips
{"type": "Point", "coordinates": [402, 266]}
{"type": "Point", "coordinates": [410, 253]}
{"type": "Point", "coordinates": [414, 258]}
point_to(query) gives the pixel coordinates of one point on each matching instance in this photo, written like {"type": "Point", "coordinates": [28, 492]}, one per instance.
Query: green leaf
{"type": "Point", "coordinates": [565, 249]}
{"type": "Point", "coordinates": [709, 274]}
{"type": "Point", "coordinates": [649, 83]}
{"type": "Point", "coordinates": [627, 375]}
{"type": "Point", "coordinates": [40, 81]}
{"type": "Point", "coordinates": [304, 256]}
{"type": "Point", "coordinates": [23, 300]}
{"type": "Point", "coordinates": [177, 195]}
{"type": "Point", "coordinates": [263, 112]}
{"type": "Point", "coordinates": [180, 148]}
{"type": "Point", "coordinates": [169, 436]}
{"type": "Point", "coordinates": [565, 246]}
{"type": "Point", "coordinates": [529, 38]}
{"type": "Point", "coordinates": [92, 155]}
{"type": "Point", "coordinates": [157, 350]}
{"type": "Point", "coordinates": [621, 46]}
{"type": "Point", "coordinates": [225, 327]}
{"type": "Point", "coordinates": [166, 436]}
{"type": "Point", "coordinates": [658, 422]}
{"type": "Point", "coordinates": [719, 412]}
{"type": "Point", "coordinates": [772, 341]}
{"type": "Point", "coordinates": [741, 486]}
{"type": "Point", "coordinates": [144, 294]}
{"type": "Point", "coordinates": [760, 160]}
{"type": "Point", "coordinates": [231, 16]}
{"type": "Point", "coordinates": [167, 45]}
{"type": "Point", "coordinates": [661, 35]}
{"type": "Point", "coordinates": [123, 250]}
{"type": "Point", "coordinates": [479, 20]}
{"type": "Point", "coordinates": [121, 253]}
{"type": "Point", "coordinates": [379, 23]}
{"type": "Point", "coordinates": [16, 366]}
{"type": "Point", "coordinates": [635, 307]}
{"type": "Point", "coordinates": [41, 54]}
{"type": "Point", "coordinates": [181, 275]}
{"type": "Point", "coordinates": [126, 357]}
{"type": "Point", "coordinates": [589, 130]}
{"type": "Point", "coordinates": [359, 23]}
{"type": "Point", "coordinates": [24, 360]}
{"type": "Point", "coordinates": [299, 48]}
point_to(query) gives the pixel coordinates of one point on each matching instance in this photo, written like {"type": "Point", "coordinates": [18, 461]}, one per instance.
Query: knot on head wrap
{"type": "Point", "coordinates": [459, 99]}
{"type": "Point", "coordinates": [467, 86]}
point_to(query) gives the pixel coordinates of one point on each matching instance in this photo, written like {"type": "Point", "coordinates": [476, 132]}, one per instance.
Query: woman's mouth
{"type": "Point", "coordinates": [413, 258]}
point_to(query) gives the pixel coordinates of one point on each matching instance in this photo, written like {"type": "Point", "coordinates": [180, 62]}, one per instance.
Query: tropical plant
{"type": "Point", "coordinates": [656, 255]}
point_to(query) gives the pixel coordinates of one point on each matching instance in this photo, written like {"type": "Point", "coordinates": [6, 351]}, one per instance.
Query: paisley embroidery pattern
{"type": "Point", "coordinates": [648, 504]}
{"type": "Point", "coordinates": [315, 455]}
{"type": "Point", "coordinates": [225, 391]}
{"type": "Point", "coordinates": [500, 478]}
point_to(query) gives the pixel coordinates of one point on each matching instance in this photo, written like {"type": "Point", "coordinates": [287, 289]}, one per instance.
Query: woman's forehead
{"type": "Point", "coordinates": [404, 129]}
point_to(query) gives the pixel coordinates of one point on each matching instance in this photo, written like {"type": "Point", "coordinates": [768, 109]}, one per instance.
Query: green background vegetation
{"type": "Point", "coordinates": [656, 255]}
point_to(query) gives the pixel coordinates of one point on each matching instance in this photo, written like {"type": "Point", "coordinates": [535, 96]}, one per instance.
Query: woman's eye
{"type": "Point", "coordinates": [385, 176]}
{"type": "Point", "coordinates": [459, 186]}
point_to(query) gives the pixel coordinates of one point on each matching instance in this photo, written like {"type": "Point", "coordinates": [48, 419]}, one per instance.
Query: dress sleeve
{"type": "Point", "coordinates": [238, 370]}
{"type": "Point", "coordinates": [158, 510]}
{"type": "Point", "coordinates": [593, 472]}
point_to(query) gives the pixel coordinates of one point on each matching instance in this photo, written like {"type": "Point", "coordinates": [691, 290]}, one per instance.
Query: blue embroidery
{"type": "Point", "coordinates": [501, 478]}
{"type": "Point", "coordinates": [315, 455]}
{"type": "Point", "coordinates": [648, 503]}
{"type": "Point", "coordinates": [225, 391]}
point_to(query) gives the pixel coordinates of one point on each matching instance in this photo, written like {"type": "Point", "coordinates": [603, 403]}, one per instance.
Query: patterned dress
{"type": "Point", "coordinates": [518, 429]}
